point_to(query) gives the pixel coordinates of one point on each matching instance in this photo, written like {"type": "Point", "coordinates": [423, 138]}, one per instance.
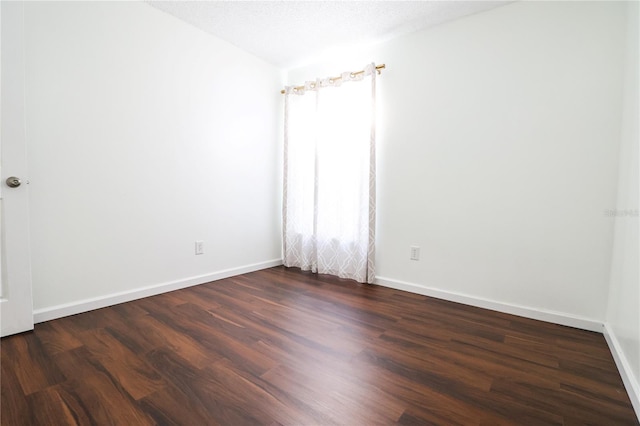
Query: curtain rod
{"type": "Point", "coordinates": [378, 68]}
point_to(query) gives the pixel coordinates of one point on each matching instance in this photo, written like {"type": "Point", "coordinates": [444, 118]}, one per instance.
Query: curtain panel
{"type": "Point", "coordinates": [329, 176]}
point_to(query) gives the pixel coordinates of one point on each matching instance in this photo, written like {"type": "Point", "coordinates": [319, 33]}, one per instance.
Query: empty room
{"type": "Point", "coordinates": [319, 213]}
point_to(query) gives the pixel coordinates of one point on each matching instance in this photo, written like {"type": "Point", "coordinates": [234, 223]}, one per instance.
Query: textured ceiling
{"type": "Point", "coordinates": [292, 33]}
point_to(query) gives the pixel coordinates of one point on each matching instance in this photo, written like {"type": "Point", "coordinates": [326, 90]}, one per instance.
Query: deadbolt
{"type": "Point", "coordinates": [13, 182]}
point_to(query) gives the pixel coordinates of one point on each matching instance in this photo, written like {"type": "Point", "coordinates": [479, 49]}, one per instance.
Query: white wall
{"type": "Point", "coordinates": [144, 135]}
{"type": "Point", "coordinates": [498, 152]}
{"type": "Point", "coordinates": [623, 313]}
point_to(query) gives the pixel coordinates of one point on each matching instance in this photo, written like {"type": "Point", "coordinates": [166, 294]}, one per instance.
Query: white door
{"type": "Point", "coordinates": [16, 305]}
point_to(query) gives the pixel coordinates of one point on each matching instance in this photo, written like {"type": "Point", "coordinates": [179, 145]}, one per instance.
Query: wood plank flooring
{"type": "Point", "coordinates": [283, 347]}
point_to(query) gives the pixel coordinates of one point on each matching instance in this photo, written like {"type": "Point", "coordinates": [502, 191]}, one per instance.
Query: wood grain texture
{"type": "Point", "coordinates": [284, 347]}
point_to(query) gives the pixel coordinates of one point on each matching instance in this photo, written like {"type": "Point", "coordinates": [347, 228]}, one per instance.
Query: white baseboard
{"type": "Point", "coordinates": [59, 311]}
{"type": "Point", "coordinates": [630, 382]}
{"type": "Point", "coordinates": [523, 311]}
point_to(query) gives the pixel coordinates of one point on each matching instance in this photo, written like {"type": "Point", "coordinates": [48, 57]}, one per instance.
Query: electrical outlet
{"type": "Point", "coordinates": [415, 253]}
{"type": "Point", "coordinates": [199, 247]}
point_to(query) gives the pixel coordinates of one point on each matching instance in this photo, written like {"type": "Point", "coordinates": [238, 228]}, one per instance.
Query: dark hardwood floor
{"type": "Point", "coordinates": [284, 347]}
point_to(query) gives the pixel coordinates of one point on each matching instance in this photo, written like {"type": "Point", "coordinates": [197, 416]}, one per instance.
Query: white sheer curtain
{"type": "Point", "coordinates": [329, 176]}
